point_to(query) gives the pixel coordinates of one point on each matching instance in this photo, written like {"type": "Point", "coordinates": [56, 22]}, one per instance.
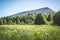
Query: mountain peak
{"type": "Point", "coordinates": [46, 7]}
{"type": "Point", "coordinates": [45, 10]}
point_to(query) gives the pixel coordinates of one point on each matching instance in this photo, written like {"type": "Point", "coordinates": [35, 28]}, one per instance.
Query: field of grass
{"type": "Point", "coordinates": [29, 32]}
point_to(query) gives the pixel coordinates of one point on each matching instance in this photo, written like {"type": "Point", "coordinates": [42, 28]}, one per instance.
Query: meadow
{"type": "Point", "coordinates": [29, 32]}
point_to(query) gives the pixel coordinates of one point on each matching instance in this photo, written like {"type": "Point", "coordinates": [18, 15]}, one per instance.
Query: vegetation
{"type": "Point", "coordinates": [56, 18]}
{"type": "Point", "coordinates": [9, 30]}
{"type": "Point", "coordinates": [29, 32]}
{"type": "Point", "coordinates": [49, 18]}
{"type": "Point", "coordinates": [38, 19]}
{"type": "Point", "coordinates": [26, 19]}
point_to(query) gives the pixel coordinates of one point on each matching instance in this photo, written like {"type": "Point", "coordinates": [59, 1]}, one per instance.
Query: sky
{"type": "Point", "coordinates": [10, 7]}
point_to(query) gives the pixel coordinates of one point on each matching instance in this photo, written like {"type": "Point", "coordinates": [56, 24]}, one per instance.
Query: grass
{"type": "Point", "coordinates": [29, 32]}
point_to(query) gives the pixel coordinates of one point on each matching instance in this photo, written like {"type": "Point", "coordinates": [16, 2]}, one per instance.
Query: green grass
{"type": "Point", "coordinates": [29, 32]}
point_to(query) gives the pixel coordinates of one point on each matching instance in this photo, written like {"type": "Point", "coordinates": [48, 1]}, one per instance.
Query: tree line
{"type": "Point", "coordinates": [31, 19]}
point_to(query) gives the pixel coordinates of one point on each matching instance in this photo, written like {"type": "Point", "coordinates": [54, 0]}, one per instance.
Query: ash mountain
{"type": "Point", "coordinates": [45, 10]}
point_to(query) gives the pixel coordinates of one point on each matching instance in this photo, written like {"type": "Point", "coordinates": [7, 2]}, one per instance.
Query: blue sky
{"type": "Point", "coordinates": [9, 7]}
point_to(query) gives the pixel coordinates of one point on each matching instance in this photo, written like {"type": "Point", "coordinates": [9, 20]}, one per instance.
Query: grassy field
{"type": "Point", "coordinates": [29, 32]}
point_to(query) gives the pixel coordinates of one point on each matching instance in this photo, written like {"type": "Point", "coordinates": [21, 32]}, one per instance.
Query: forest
{"type": "Point", "coordinates": [32, 19]}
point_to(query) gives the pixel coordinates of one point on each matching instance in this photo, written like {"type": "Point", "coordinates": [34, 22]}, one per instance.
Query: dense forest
{"type": "Point", "coordinates": [38, 19]}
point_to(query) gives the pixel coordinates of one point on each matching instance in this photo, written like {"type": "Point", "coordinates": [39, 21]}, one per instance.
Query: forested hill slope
{"type": "Point", "coordinates": [45, 10]}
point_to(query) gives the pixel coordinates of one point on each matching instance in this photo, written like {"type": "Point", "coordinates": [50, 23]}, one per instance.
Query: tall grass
{"type": "Point", "coordinates": [29, 32]}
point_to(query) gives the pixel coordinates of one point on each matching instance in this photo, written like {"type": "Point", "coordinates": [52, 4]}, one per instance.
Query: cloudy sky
{"type": "Point", "coordinates": [9, 7]}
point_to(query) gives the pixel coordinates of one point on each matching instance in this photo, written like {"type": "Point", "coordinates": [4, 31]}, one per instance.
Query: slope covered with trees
{"type": "Point", "coordinates": [38, 19]}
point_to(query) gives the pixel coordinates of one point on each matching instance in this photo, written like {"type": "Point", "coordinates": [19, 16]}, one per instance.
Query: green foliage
{"type": "Point", "coordinates": [40, 19]}
{"type": "Point", "coordinates": [37, 18]}
{"type": "Point", "coordinates": [49, 17]}
{"type": "Point", "coordinates": [4, 21]}
{"type": "Point", "coordinates": [1, 21]}
{"type": "Point", "coordinates": [26, 19]}
{"type": "Point", "coordinates": [56, 18]}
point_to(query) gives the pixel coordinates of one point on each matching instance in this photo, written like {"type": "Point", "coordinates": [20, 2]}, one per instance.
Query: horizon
{"type": "Point", "coordinates": [10, 7]}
